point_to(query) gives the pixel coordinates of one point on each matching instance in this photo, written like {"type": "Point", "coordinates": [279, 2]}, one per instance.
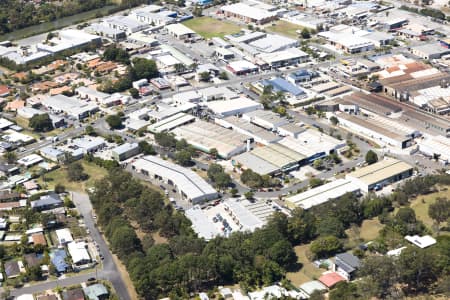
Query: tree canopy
{"type": "Point", "coordinates": [41, 123]}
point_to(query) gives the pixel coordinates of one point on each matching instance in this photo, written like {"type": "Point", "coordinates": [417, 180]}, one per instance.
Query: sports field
{"type": "Point", "coordinates": [209, 27]}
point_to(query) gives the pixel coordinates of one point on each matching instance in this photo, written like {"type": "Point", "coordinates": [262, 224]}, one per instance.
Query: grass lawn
{"type": "Point", "coordinates": [60, 176]}
{"type": "Point", "coordinates": [370, 229]}
{"type": "Point", "coordinates": [284, 28]}
{"type": "Point", "coordinates": [308, 271]}
{"type": "Point", "coordinates": [421, 204]}
{"type": "Point", "coordinates": [209, 27]}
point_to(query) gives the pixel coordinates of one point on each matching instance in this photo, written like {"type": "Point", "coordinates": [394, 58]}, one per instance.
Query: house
{"type": "Point", "coordinates": [96, 292]}
{"type": "Point", "coordinates": [330, 279]}
{"type": "Point", "coordinates": [52, 154]}
{"type": "Point", "coordinates": [73, 294]}
{"type": "Point", "coordinates": [47, 202]}
{"type": "Point", "coordinates": [7, 196]}
{"type": "Point", "coordinates": [32, 259]}
{"type": "Point", "coordinates": [346, 264]}
{"type": "Point", "coordinates": [64, 236]}
{"type": "Point", "coordinates": [8, 169]}
{"type": "Point", "coordinates": [58, 259]}
{"type": "Point", "coordinates": [78, 252]}
{"type": "Point", "coordinates": [12, 269]}
{"type": "Point", "coordinates": [421, 241]}
{"type": "Point", "coordinates": [38, 239]}
{"type": "Point", "coordinates": [4, 91]}
{"type": "Point", "coordinates": [47, 297]}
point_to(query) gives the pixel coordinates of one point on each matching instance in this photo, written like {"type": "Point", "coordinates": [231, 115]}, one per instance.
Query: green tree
{"type": "Point", "coordinates": [334, 120]}
{"type": "Point", "coordinates": [204, 76]}
{"type": "Point", "coordinates": [326, 246]}
{"type": "Point", "coordinates": [213, 152]}
{"type": "Point", "coordinates": [305, 33]}
{"type": "Point", "coordinates": [165, 139]}
{"type": "Point", "coordinates": [10, 156]}
{"type": "Point", "coordinates": [380, 275]}
{"type": "Point", "coordinates": [134, 93]}
{"type": "Point", "coordinates": [249, 195]}
{"type": "Point", "coordinates": [183, 157]}
{"type": "Point", "coordinates": [89, 130]}
{"type": "Point", "coordinates": [146, 148]}
{"type": "Point", "coordinates": [41, 123]}
{"type": "Point", "coordinates": [223, 75]}
{"type": "Point", "coordinates": [315, 182]}
{"type": "Point", "coordinates": [439, 211]}
{"type": "Point", "coordinates": [331, 225]}
{"type": "Point", "coordinates": [344, 290]}
{"type": "Point", "coordinates": [371, 157]}
{"type": "Point", "coordinates": [144, 68]}
{"type": "Point", "coordinates": [114, 121]}
{"type": "Point", "coordinates": [75, 172]}
{"type": "Point", "coordinates": [34, 273]}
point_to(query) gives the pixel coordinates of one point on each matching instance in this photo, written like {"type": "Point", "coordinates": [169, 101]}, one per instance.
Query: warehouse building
{"type": "Point", "coordinates": [242, 67]}
{"type": "Point", "coordinates": [430, 51]}
{"type": "Point", "coordinates": [248, 14]}
{"type": "Point", "coordinates": [274, 43]}
{"type": "Point", "coordinates": [180, 31]}
{"type": "Point", "coordinates": [188, 183]}
{"type": "Point", "coordinates": [381, 173]}
{"type": "Point", "coordinates": [225, 108]}
{"type": "Point", "coordinates": [125, 151]}
{"type": "Point", "coordinates": [282, 58]}
{"type": "Point", "coordinates": [379, 130]}
{"type": "Point", "coordinates": [171, 122]}
{"type": "Point", "coordinates": [205, 136]}
{"type": "Point", "coordinates": [322, 194]}
{"type": "Point", "coordinates": [89, 144]}
{"type": "Point", "coordinates": [259, 135]}
{"type": "Point", "coordinates": [436, 146]}
{"type": "Point", "coordinates": [271, 159]}
{"type": "Point", "coordinates": [265, 119]}
{"type": "Point", "coordinates": [69, 106]}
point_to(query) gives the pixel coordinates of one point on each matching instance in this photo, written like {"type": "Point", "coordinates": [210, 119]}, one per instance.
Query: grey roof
{"type": "Point", "coordinates": [348, 262]}
{"type": "Point", "coordinates": [311, 286]}
{"type": "Point", "coordinates": [11, 268]}
{"type": "Point", "coordinates": [95, 291]}
{"type": "Point", "coordinates": [46, 200]}
{"type": "Point", "coordinates": [125, 148]}
{"type": "Point", "coordinates": [255, 163]}
{"type": "Point", "coordinates": [50, 151]}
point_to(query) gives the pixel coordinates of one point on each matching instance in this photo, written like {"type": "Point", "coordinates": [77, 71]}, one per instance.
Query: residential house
{"type": "Point", "coordinates": [346, 264]}
{"type": "Point", "coordinates": [32, 259]}
{"type": "Point", "coordinates": [12, 269]}
{"type": "Point", "coordinates": [64, 236]}
{"type": "Point", "coordinates": [73, 294]}
{"type": "Point", "coordinates": [58, 259]}
{"type": "Point", "coordinates": [47, 202]}
{"type": "Point", "coordinates": [96, 292]}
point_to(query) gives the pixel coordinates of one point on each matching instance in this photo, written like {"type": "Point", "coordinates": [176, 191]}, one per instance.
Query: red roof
{"type": "Point", "coordinates": [330, 279]}
{"type": "Point", "coordinates": [4, 90]}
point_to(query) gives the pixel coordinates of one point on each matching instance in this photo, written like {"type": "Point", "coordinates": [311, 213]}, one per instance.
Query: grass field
{"type": "Point", "coordinates": [421, 204]}
{"type": "Point", "coordinates": [370, 229]}
{"type": "Point", "coordinates": [208, 27]}
{"type": "Point", "coordinates": [308, 271]}
{"type": "Point", "coordinates": [59, 176]}
{"type": "Point", "coordinates": [284, 28]}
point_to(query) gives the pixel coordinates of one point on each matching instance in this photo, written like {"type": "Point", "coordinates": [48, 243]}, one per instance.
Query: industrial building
{"type": "Point", "coordinates": [322, 194]}
{"type": "Point", "coordinates": [242, 67]}
{"type": "Point", "coordinates": [125, 151]}
{"type": "Point", "coordinates": [180, 31]}
{"type": "Point", "coordinates": [265, 119]}
{"type": "Point", "coordinates": [259, 135]}
{"type": "Point", "coordinates": [247, 13]}
{"type": "Point", "coordinates": [382, 130]}
{"type": "Point", "coordinates": [206, 136]}
{"type": "Point", "coordinates": [171, 122]}
{"type": "Point", "coordinates": [188, 183]}
{"type": "Point", "coordinates": [224, 108]}
{"type": "Point", "coordinates": [271, 159]}
{"type": "Point", "coordinates": [69, 106]}
{"type": "Point", "coordinates": [436, 146]}
{"type": "Point", "coordinates": [125, 23]}
{"type": "Point", "coordinates": [89, 144]}
{"type": "Point", "coordinates": [282, 58]}
{"type": "Point", "coordinates": [272, 43]}
{"type": "Point", "coordinates": [430, 51]}
{"type": "Point", "coordinates": [381, 173]}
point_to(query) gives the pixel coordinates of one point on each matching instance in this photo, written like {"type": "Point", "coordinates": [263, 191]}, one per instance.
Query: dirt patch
{"type": "Point", "coordinates": [159, 239]}
{"type": "Point", "coordinates": [308, 270]}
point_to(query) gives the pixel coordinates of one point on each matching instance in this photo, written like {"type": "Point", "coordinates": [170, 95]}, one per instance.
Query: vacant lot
{"type": "Point", "coordinates": [285, 28]}
{"type": "Point", "coordinates": [421, 204]}
{"type": "Point", "coordinates": [370, 229]}
{"type": "Point", "coordinates": [59, 176]}
{"type": "Point", "coordinates": [208, 27]}
{"type": "Point", "coordinates": [307, 271]}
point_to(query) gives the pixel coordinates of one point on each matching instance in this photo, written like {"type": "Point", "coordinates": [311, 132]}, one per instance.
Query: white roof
{"type": "Point", "coordinates": [250, 215]}
{"type": "Point", "coordinates": [14, 136]}
{"type": "Point", "coordinates": [311, 142]}
{"type": "Point", "coordinates": [242, 65]}
{"type": "Point", "coordinates": [223, 106]}
{"type": "Point", "coordinates": [273, 42]}
{"type": "Point", "coordinates": [248, 11]}
{"type": "Point", "coordinates": [436, 144]}
{"type": "Point", "coordinates": [64, 235]}
{"type": "Point", "coordinates": [421, 241]}
{"type": "Point", "coordinates": [78, 252]}
{"type": "Point", "coordinates": [189, 182]}
{"type": "Point", "coordinates": [201, 224]}
{"type": "Point", "coordinates": [4, 123]}
{"type": "Point", "coordinates": [168, 60]}
{"type": "Point", "coordinates": [171, 122]}
{"type": "Point", "coordinates": [283, 55]}
{"type": "Point", "coordinates": [323, 193]}
{"type": "Point", "coordinates": [179, 29]}
{"type": "Point", "coordinates": [30, 160]}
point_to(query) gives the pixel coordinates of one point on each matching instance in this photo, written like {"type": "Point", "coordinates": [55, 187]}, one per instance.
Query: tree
{"type": "Point", "coordinates": [331, 225]}
{"type": "Point", "coordinates": [89, 130]}
{"type": "Point", "coordinates": [371, 157]}
{"type": "Point", "coordinates": [417, 268]}
{"type": "Point", "coordinates": [59, 188]}
{"type": "Point", "coordinates": [197, 11]}
{"type": "Point", "coordinates": [114, 121]}
{"type": "Point", "coordinates": [249, 195]}
{"type": "Point", "coordinates": [146, 148]}
{"type": "Point", "coordinates": [344, 290]}
{"type": "Point", "coordinates": [234, 192]}
{"type": "Point", "coordinates": [204, 76]}
{"type": "Point", "coordinates": [213, 152]}
{"type": "Point", "coordinates": [165, 139]}
{"type": "Point", "coordinates": [439, 211]}
{"type": "Point", "coordinates": [334, 120]}
{"type": "Point", "coordinates": [134, 93]}
{"type": "Point", "coordinates": [75, 172]}
{"type": "Point", "coordinates": [34, 273]}
{"type": "Point", "coordinates": [116, 54]}
{"type": "Point", "coordinates": [380, 275]}
{"type": "Point", "coordinates": [223, 75]}
{"type": "Point", "coordinates": [41, 123]}
{"type": "Point", "coordinates": [315, 182]}
{"type": "Point", "coordinates": [183, 157]}
{"type": "Point", "coordinates": [318, 164]}
{"type": "Point", "coordinates": [305, 33]}
{"type": "Point", "coordinates": [10, 157]}
{"type": "Point", "coordinates": [144, 68]}
{"type": "Point", "coordinates": [326, 246]}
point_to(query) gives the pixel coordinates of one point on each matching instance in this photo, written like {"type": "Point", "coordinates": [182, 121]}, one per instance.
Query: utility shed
{"type": "Point", "coordinates": [188, 183]}
{"type": "Point", "coordinates": [380, 173]}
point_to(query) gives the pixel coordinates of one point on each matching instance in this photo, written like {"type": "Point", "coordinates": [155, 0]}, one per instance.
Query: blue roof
{"type": "Point", "coordinates": [47, 200]}
{"type": "Point", "coordinates": [282, 85]}
{"type": "Point", "coordinates": [58, 258]}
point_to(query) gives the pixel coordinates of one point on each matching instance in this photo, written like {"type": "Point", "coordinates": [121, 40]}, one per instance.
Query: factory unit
{"type": "Point", "coordinates": [259, 135]}
{"type": "Point", "coordinates": [180, 31]}
{"type": "Point", "coordinates": [248, 14]}
{"type": "Point", "coordinates": [271, 159]}
{"type": "Point", "coordinates": [436, 146]}
{"type": "Point", "coordinates": [188, 183]}
{"type": "Point", "coordinates": [74, 108]}
{"type": "Point", "coordinates": [322, 194]}
{"type": "Point", "coordinates": [224, 108]}
{"type": "Point", "coordinates": [265, 119]}
{"type": "Point", "coordinates": [205, 136]}
{"type": "Point", "coordinates": [282, 58]}
{"type": "Point", "coordinates": [380, 174]}
{"type": "Point", "coordinates": [125, 151]}
{"type": "Point", "coordinates": [378, 130]}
